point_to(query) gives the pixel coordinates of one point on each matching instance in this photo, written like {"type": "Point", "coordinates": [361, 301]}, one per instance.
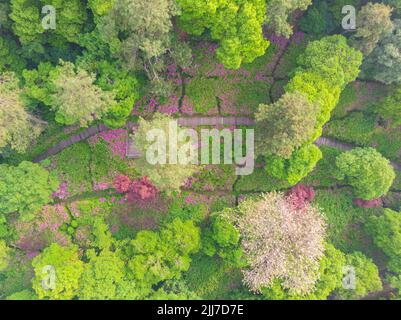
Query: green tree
{"type": "Point", "coordinates": [18, 128]}
{"type": "Point", "coordinates": [367, 277]}
{"type": "Point", "coordinates": [158, 256]}
{"type": "Point", "coordinates": [102, 275]}
{"type": "Point", "coordinates": [27, 18]}
{"type": "Point", "coordinates": [279, 11]}
{"type": "Point", "coordinates": [64, 261]}
{"type": "Point", "coordinates": [166, 177]}
{"type": "Point", "coordinates": [236, 24]}
{"type": "Point", "coordinates": [384, 63]}
{"type": "Point", "coordinates": [386, 232]}
{"type": "Point", "coordinates": [222, 238]}
{"type": "Point", "coordinates": [367, 171]}
{"type": "Point", "coordinates": [390, 108]}
{"type": "Point", "coordinates": [332, 58]}
{"type": "Point", "coordinates": [373, 20]}
{"type": "Point", "coordinates": [301, 162]}
{"type": "Point", "coordinates": [285, 125]}
{"type": "Point", "coordinates": [25, 188]}
{"type": "Point", "coordinates": [76, 99]}
{"type": "Point", "coordinates": [139, 32]}
{"type": "Point", "coordinates": [319, 92]}
{"type": "Point", "coordinates": [100, 7]}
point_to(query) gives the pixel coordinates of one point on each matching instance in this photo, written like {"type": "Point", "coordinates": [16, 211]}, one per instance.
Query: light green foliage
{"type": "Point", "coordinates": [373, 21]}
{"type": "Point", "coordinates": [38, 85]}
{"type": "Point", "coordinates": [367, 171]}
{"type": "Point", "coordinates": [279, 11]}
{"type": "Point", "coordinates": [163, 255]}
{"type": "Point", "coordinates": [76, 99]}
{"type": "Point", "coordinates": [285, 125]}
{"type": "Point", "coordinates": [301, 162]}
{"type": "Point", "coordinates": [4, 255]}
{"type": "Point", "coordinates": [103, 273]}
{"type": "Point", "coordinates": [68, 269]}
{"type": "Point", "coordinates": [17, 127]}
{"type": "Point", "coordinates": [356, 128]}
{"type": "Point", "coordinates": [100, 7]}
{"type": "Point", "coordinates": [367, 277]}
{"type": "Point", "coordinates": [22, 295]}
{"type": "Point", "coordinates": [390, 108]}
{"type": "Point", "coordinates": [317, 90]}
{"type": "Point", "coordinates": [384, 63]}
{"type": "Point", "coordinates": [222, 238]}
{"type": "Point", "coordinates": [126, 89]}
{"type": "Point", "coordinates": [166, 177]}
{"type": "Point", "coordinates": [25, 188]}
{"type": "Point", "coordinates": [236, 24]}
{"type": "Point", "coordinates": [386, 232]}
{"type": "Point", "coordinates": [331, 58]}
{"type": "Point", "coordinates": [27, 17]}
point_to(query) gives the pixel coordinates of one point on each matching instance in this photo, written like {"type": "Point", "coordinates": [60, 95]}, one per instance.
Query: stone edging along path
{"type": "Point", "coordinates": [185, 122]}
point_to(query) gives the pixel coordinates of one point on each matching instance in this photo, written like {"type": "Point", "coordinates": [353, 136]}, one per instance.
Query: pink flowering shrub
{"type": "Point", "coordinates": [374, 203]}
{"type": "Point", "coordinates": [44, 229]}
{"type": "Point", "coordinates": [300, 196]}
{"type": "Point", "coordinates": [139, 191]}
{"type": "Point", "coordinates": [117, 141]}
{"type": "Point", "coordinates": [62, 192]}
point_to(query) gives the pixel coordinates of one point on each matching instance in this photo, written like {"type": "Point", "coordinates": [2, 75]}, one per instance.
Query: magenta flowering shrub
{"type": "Point", "coordinates": [62, 192]}
{"type": "Point", "coordinates": [44, 229]}
{"type": "Point", "coordinates": [117, 141]}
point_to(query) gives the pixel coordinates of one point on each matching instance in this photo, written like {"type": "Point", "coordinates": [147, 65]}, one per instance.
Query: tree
{"type": "Point", "coordinates": [71, 17]}
{"type": "Point", "coordinates": [236, 24]}
{"type": "Point", "coordinates": [301, 162]}
{"type": "Point", "coordinates": [76, 99]}
{"type": "Point", "coordinates": [17, 127]}
{"type": "Point", "coordinates": [10, 55]}
{"type": "Point", "coordinates": [386, 232]}
{"type": "Point", "coordinates": [280, 243]}
{"type": "Point", "coordinates": [318, 20]}
{"type": "Point", "coordinates": [384, 63]}
{"type": "Point", "coordinates": [101, 276]}
{"type": "Point", "coordinates": [139, 30]}
{"type": "Point", "coordinates": [330, 278]}
{"type": "Point", "coordinates": [390, 108]}
{"type": "Point", "coordinates": [100, 7]}
{"type": "Point", "coordinates": [222, 238]}
{"type": "Point", "coordinates": [166, 177]}
{"type": "Point", "coordinates": [285, 125]}
{"type": "Point", "coordinates": [367, 277]}
{"type": "Point", "coordinates": [279, 11]}
{"type": "Point", "coordinates": [373, 20]}
{"type": "Point", "coordinates": [67, 268]}
{"type": "Point", "coordinates": [367, 171]}
{"type": "Point", "coordinates": [25, 188]}
{"type": "Point", "coordinates": [331, 58]}
{"type": "Point", "coordinates": [317, 91]}
{"type": "Point", "coordinates": [158, 256]}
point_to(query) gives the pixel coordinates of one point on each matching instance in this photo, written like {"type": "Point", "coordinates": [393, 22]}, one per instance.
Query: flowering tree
{"type": "Point", "coordinates": [281, 242]}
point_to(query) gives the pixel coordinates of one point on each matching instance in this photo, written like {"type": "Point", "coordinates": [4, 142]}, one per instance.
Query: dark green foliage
{"type": "Point", "coordinates": [318, 20]}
